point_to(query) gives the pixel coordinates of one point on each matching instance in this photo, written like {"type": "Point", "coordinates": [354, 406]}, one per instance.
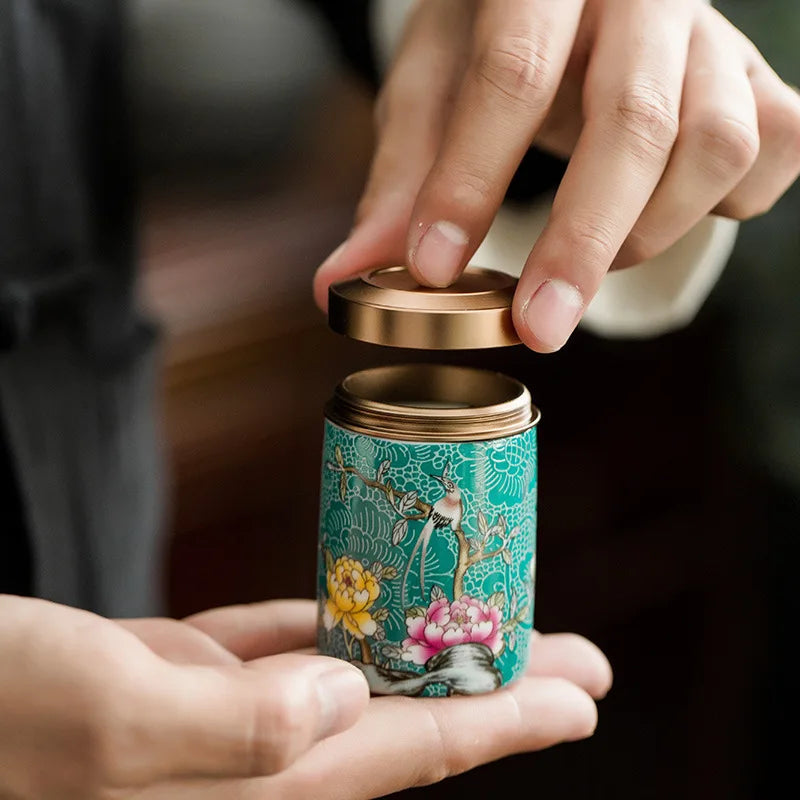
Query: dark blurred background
{"type": "Point", "coordinates": [670, 469]}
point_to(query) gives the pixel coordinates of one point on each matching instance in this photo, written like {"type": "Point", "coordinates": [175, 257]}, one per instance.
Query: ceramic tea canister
{"type": "Point", "coordinates": [427, 540]}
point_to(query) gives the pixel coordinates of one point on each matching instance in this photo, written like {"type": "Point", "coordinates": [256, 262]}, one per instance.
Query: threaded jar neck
{"type": "Point", "coordinates": [429, 402]}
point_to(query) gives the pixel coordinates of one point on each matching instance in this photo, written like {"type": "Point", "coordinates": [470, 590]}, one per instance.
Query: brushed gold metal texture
{"type": "Point", "coordinates": [432, 403]}
{"type": "Point", "coordinates": [387, 307]}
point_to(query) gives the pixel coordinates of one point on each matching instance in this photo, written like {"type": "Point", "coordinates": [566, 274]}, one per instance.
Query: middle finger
{"type": "Point", "coordinates": [632, 96]}
{"type": "Point", "coordinates": [260, 629]}
{"type": "Point", "coordinates": [570, 656]}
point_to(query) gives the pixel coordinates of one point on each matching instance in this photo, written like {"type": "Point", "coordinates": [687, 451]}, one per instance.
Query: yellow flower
{"type": "Point", "coordinates": [351, 592]}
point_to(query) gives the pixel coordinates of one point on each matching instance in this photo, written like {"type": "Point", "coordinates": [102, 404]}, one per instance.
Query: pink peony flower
{"type": "Point", "coordinates": [446, 624]}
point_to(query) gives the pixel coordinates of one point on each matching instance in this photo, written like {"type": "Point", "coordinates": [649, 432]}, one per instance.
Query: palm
{"type": "Point", "coordinates": [437, 737]}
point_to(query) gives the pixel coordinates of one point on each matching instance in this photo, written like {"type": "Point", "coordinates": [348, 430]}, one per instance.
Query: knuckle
{"type": "Point", "coordinates": [637, 249]}
{"type": "Point", "coordinates": [589, 241]}
{"type": "Point", "coordinates": [519, 67]}
{"type": "Point", "coordinates": [436, 767]}
{"type": "Point", "coordinates": [780, 120]}
{"type": "Point", "coordinates": [648, 116]}
{"type": "Point", "coordinates": [112, 738]}
{"type": "Point", "coordinates": [468, 187]}
{"type": "Point", "coordinates": [280, 732]}
{"type": "Point", "coordinates": [727, 144]}
{"type": "Point", "coordinates": [471, 189]}
{"type": "Point", "coordinates": [99, 739]}
{"type": "Point", "coordinates": [743, 207]}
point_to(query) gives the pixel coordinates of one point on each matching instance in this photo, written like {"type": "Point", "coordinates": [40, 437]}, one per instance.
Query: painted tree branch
{"type": "Point", "coordinates": [465, 559]}
{"type": "Point", "coordinates": [366, 652]}
{"type": "Point", "coordinates": [479, 556]}
{"type": "Point", "coordinates": [388, 490]}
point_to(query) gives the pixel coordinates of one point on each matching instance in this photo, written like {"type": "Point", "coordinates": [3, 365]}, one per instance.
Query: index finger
{"type": "Point", "coordinates": [260, 629]}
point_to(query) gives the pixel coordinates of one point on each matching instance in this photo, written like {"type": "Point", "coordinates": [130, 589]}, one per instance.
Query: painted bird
{"type": "Point", "coordinates": [446, 512]}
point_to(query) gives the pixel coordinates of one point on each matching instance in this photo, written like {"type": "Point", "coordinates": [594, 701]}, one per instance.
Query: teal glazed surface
{"type": "Point", "coordinates": [427, 560]}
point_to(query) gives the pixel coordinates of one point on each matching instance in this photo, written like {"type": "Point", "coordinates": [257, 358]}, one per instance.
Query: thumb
{"type": "Point", "coordinates": [256, 718]}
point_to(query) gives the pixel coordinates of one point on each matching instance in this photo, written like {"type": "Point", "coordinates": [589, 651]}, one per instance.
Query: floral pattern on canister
{"type": "Point", "coordinates": [427, 560]}
{"type": "Point", "coordinates": [352, 590]}
{"type": "Point", "coordinates": [446, 623]}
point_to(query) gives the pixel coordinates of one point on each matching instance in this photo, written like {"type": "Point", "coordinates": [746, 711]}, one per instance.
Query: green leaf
{"type": "Point", "coordinates": [414, 612]}
{"type": "Point", "coordinates": [389, 573]}
{"type": "Point", "coordinates": [506, 556]}
{"type": "Point", "coordinates": [339, 458]}
{"type": "Point", "coordinates": [377, 570]}
{"type": "Point", "coordinates": [343, 486]}
{"type": "Point", "coordinates": [381, 615]}
{"type": "Point", "coordinates": [483, 525]}
{"type": "Point", "coordinates": [497, 600]}
{"type": "Point", "coordinates": [328, 561]}
{"type": "Point", "coordinates": [437, 593]}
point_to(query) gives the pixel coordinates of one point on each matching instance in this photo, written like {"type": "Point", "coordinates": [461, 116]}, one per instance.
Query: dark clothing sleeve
{"type": "Point", "coordinates": [539, 172]}
{"type": "Point", "coordinates": [66, 194]}
{"type": "Point", "coordinates": [79, 469]}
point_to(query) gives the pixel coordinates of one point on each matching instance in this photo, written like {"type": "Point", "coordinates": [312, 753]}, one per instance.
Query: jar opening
{"type": "Point", "coordinates": [427, 402]}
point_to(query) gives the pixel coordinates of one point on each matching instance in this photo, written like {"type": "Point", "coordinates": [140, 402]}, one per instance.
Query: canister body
{"type": "Point", "coordinates": [427, 558]}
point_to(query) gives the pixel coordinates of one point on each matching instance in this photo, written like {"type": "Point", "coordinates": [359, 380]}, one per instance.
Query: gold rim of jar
{"type": "Point", "coordinates": [387, 307]}
{"type": "Point", "coordinates": [429, 402]}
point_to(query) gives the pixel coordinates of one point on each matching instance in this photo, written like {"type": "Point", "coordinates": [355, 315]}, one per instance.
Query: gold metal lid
{"type": "Point", "coordinates": [388, 307]}
{"type": "Point", "coordinates": [432, 403]}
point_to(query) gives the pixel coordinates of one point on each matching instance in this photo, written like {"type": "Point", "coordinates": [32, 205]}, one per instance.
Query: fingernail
{"type": "Point", "coordinates": [553, 312]}
{"type": "Point", "coordinates": [342, 692]}
{"type": "Point", "coordinates": [439, 253]}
